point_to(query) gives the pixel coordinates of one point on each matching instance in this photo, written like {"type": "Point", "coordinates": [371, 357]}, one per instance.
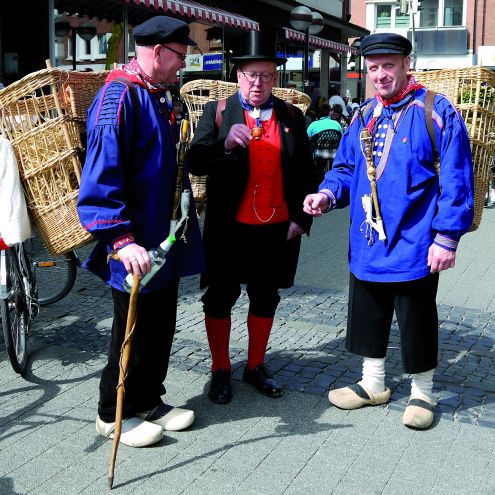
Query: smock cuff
{"type": "Point", "coordinates": [123, 241]}
{"type": "Point", "coordinates": [446, 242]}
{"type": "Point", "coordinates": [332, 202]}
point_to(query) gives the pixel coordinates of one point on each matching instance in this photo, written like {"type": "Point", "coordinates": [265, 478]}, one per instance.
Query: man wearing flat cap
{"type": "Point", "coordinates": [255, 151]}
{"type": "Point", "coordinates": [407, 218]}
{"type": "Point", "coordinates": [125, 202]}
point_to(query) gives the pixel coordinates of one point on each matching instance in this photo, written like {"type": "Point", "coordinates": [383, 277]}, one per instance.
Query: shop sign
{"type": "Point", "coordinates": [212, 61]}
{"type": "Point", "coordinates": [194, 62]}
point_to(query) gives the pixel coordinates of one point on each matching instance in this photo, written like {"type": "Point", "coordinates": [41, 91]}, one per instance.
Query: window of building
{"type": "Point", "coordinates": [439, 13]}
{"type": "Point", "coordinates": [453, 13]}
{"type": "Point", "coordinates": [102, 44]}
{"type": "Point", "coordinates": [389, 16]}
{"type": "Point", "coordinates": [383, 16]}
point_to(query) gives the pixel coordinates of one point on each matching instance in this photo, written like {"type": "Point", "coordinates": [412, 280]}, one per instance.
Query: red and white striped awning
{"type": "Point", "coordinates": [292, 34]}
{"type": "Point", "coordinates": [201, 12]}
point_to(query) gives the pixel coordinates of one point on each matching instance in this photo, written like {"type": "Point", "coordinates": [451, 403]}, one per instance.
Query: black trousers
{"type": "Point", "coordinates": [150, 352]}
{"type": "Point", "coordinates": [371, 309]}
{"type": "Point", "coordinates": [254, 256]}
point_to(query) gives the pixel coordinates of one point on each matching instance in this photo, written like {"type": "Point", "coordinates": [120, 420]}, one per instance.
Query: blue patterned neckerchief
{"type": "Point", "coordinates": [257, 110]}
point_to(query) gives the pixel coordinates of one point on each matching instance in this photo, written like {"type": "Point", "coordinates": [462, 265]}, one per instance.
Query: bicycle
{"type": "Point", "coordinates": [30, 278]}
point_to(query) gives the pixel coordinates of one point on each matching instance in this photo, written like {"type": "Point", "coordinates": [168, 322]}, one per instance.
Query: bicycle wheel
{"type": "Point", "coordinates": [55, 274]}
{"type": "Point", "coordinates": [15, 314]}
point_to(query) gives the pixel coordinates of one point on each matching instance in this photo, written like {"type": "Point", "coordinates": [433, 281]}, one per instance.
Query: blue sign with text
{"type": "Point", "coordinates": [212, 61]}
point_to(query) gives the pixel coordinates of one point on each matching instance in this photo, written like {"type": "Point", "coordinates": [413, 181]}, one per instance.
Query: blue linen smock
{"type": "Point", "coordinates": [128, 181]}
{"type": "Point", "coordinates": [417, 205]}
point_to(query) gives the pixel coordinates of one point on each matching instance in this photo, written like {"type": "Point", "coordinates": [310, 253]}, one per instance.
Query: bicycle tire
{"type": "Point", "coordinates": [16, 317]}
{"type": "Point", "coordinates": [55, 274]}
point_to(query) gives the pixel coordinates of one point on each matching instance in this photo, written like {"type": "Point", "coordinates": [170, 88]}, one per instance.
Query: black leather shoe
{"type": "Point", "coordinates": [220, 390]}
{"type": "Point", "coordinates": [263, 381]}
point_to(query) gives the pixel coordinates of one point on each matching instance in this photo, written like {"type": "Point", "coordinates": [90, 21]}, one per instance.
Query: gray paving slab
{"type": "Point", "coordinates": [256, 445]}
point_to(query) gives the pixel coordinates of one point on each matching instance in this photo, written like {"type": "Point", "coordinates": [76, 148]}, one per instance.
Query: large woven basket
{"type": "Point", "coordinates": [196, 94]}
{"type": "Point", "coordinates": [43, 116]}
{"type": "Point", "coordinates": [472, 91]}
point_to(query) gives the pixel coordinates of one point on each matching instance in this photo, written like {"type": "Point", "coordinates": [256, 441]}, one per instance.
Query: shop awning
{"type": "Point", "coordinates": [138, 11]}
{"type": "Point", "coordinates": [292, 34]}
{"type": "Point", "coordinates": [200, 12]}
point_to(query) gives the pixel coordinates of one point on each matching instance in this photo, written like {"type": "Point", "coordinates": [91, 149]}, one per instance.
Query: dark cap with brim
{"type": "Point", "coordinates": [162, 29]}
{"type": "Point", "coordinates": [385, 44]}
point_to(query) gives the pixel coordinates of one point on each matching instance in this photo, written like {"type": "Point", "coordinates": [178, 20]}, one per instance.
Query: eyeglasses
{"type": "Point", "coordinates": [264, 76]}
{"type": "Point", "coordinates": [179, 54]}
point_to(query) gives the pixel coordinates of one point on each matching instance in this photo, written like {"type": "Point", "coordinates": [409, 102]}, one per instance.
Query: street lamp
{"type": "Point", "coordinates": [86, 31]}
{"type": "Point", "coordinates": [302, 19]}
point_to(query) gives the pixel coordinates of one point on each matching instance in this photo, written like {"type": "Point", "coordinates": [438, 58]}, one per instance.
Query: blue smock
{"type": "Point", "coordinates": [128, 181]}
{"type": "Point", "coordinates": [417, 204]}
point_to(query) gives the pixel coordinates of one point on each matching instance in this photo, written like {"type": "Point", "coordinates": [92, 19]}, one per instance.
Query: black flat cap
{"type": "Point", "coordinates": [385, 43]}
{"type": "Point", "coordinates": [162, 29]}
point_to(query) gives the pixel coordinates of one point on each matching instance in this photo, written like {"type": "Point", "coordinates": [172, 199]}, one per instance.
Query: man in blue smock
{"type": "Point", "coordinates": [395, 257]}
{"type": "Point", "coordinates": [125, 202]}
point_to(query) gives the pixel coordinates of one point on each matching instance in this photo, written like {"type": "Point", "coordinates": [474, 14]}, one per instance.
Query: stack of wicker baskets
{"type": "Point", "coordinates": [43, 116]}
{"type": "Point", "coordinates": [472, 91]}
{"type": "Point", "coordinates": [196, 94]}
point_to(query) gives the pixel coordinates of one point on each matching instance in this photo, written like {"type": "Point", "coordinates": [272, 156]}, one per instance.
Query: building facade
{"type": "Point", "coordinates": [213, 24]}
{"type": "Point", "coordinates": [445, 34]}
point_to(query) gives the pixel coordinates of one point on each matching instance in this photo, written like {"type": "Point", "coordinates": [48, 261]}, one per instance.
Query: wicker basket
{"type": "Point", "coordinates": [43, 115]}
{"type": "Point", "coordinates": [472, 91]}
{"type": "Point", "coordinates": [196, 94]}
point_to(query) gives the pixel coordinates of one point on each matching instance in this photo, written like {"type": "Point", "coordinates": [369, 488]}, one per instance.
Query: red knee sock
{"type": "Point", "coordinates": [259, 332]}
{"type": "Point", "coordinates": [218, 333]}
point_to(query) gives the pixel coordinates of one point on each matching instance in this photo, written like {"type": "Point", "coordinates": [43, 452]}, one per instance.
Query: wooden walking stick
{"type": "Point", "coordinates": [125, 353]}
{"type": "Point", "coordinates": [180, 207]}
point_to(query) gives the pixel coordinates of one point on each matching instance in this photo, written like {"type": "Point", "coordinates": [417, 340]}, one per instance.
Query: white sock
{"type": "Point", "coordinates": [374, 374]}
{"type": "Point", "coordinates": [422, 384]}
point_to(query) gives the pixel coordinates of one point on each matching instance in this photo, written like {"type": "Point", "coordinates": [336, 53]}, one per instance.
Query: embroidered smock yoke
{"type": "Point", "coordinates": [418, 206]}
{"type": "Point", "coordinates": [128, 181]}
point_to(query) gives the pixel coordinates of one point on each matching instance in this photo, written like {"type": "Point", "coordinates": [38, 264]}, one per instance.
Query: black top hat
{"type": "Point", "coordinates": [259, 45]}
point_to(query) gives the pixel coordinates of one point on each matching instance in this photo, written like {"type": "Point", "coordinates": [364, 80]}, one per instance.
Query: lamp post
{"type": "Point", "coordinates": [302, 19]}
{"type": "Point", "coordinates": [86, 30]}
{"type": "Point", "coordinates": [359, 60]}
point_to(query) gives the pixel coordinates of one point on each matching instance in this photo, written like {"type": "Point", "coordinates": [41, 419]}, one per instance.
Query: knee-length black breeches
{"type": "Point", "coordinates": [371, 309]}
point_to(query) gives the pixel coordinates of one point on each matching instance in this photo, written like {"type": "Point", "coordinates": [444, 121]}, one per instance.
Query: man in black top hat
{"type": "Point", "coordinates": [406, 221]}
{"type": "Point", "coordinates": [125, 202]}
{"type": "Point", "coordinates": [255, 151]}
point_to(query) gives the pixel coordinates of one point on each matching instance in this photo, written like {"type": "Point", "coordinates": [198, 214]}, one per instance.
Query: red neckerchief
{"type": "Point", "coordinates": [135, 74]}
{"type": "Point", "coordinates": [412, 85]}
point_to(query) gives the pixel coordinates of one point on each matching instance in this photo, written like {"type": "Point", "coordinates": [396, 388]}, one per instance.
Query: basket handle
{"type": "Point", "coordinates": [65, 131]}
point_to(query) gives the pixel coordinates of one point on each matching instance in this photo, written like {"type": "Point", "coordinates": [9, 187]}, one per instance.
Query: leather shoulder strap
{"type": "Point", "coordinates": [220, 108]}
{"type": "Point", "coordinates": [429, 99]}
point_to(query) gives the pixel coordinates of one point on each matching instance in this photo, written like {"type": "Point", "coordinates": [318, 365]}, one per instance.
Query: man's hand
{"type": "Point", "coordinates": [315, 204]}
{"type": "Point", "coordinates": [294, 230]}
{"type": "Point", "coordinates": [239, 135]}
{"type": "Point", "coordinates": [440, 259]}
{"type": "Point", "coordinates": [135, 259]}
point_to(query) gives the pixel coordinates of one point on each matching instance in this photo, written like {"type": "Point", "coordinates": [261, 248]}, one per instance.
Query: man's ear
{"type": "Point", "coordinates": [407, 62]}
